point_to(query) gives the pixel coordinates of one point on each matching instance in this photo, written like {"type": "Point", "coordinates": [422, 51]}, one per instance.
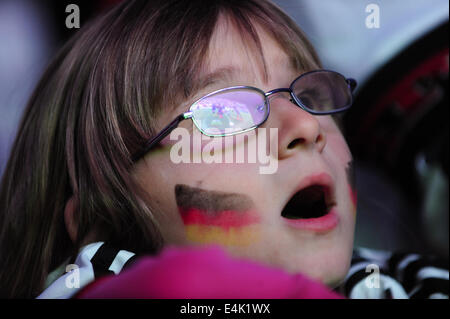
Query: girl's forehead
{"type": "Point", "coordinates": [237, 58]}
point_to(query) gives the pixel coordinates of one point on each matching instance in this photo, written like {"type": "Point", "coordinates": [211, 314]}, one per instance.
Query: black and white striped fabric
{"type": "Point", "coordinates": [381, 275]}
{"type": "Point", "coordinates": [94, 261]}
{"type": "Point", "coordinates": [372, 275]}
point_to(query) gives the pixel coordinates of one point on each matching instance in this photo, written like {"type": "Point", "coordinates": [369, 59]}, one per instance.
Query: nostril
{"type": "Point", "coordinates": [319, 139]}
{"type": "Point", "coordinates": [296, 142]}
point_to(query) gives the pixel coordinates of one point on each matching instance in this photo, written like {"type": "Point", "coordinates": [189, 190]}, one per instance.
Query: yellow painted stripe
{"type": "Point", "coordinates": [234, 236]}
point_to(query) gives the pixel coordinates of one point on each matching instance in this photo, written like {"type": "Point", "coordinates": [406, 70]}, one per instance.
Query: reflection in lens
{"type": "Point", "coordinates": [229, 111]}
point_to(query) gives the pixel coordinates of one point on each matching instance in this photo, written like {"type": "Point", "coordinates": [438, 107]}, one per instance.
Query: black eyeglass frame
{"type": "Point", "coordinates": [188, 115]}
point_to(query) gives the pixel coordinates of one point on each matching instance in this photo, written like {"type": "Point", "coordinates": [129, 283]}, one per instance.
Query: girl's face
{"type": "Point", "coordinates": [236, 206]}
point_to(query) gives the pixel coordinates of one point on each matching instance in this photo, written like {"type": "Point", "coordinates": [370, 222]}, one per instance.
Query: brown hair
{"type": "Point", "coordinates": [93, 109]}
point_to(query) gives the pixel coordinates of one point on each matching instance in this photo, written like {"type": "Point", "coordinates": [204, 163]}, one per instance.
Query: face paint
{"type": "Point", "coordinates": [217, 217]}
{"type": "Point", "coordinates": [351, 177]}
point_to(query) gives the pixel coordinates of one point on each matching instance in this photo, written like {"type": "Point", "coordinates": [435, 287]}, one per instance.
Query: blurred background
{"type": "Point", "coordinates": [397, 128]}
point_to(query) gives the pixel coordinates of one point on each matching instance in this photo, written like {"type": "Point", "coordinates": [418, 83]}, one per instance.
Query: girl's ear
{"type": "Point", "coordinates": [69, 218]}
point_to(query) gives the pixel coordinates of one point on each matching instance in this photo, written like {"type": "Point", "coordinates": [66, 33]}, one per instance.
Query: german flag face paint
{"type": "Point", "coordinates": [215, 217]}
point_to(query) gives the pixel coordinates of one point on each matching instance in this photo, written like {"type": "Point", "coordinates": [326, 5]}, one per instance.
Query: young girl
{"type": "Point", "coordinates": [93, 179]}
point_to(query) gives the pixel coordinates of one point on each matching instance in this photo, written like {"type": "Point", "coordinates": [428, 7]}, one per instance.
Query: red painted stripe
{"type": "Point", "coordinates": [223, 219]}
{"type": "Point", "coordinates": [353, 195]}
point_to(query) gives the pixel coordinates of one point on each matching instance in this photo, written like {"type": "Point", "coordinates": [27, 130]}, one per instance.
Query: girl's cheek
{"type": "Point", "coordinates": [338, 149]}
{"type": "Point", "coordinates": [212, 217]}
{"type": "Point", "coordinates": [340, 157]}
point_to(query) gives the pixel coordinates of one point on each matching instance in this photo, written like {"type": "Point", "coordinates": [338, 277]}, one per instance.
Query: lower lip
{"type": "Point", "coordinates": [321, 224]}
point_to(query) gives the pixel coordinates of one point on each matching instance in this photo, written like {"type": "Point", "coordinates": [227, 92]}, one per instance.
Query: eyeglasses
{"type": "Point", "coordinates": [239, 109]}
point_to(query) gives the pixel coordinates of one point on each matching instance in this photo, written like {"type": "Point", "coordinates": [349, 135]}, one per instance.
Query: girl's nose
{"type": "Point", "coordinates": [297, 129]}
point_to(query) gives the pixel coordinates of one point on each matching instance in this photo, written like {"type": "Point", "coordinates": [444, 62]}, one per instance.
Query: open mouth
{"type": "Point", "coordinates": [310, 202]}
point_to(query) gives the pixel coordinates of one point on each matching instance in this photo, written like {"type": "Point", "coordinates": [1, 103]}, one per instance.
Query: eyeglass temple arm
{"type": "Point", "coordinates": [165, 131]}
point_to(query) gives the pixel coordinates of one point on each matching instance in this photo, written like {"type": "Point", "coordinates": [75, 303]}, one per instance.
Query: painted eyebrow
{"type": "Point", "coordinates": [211, 201]}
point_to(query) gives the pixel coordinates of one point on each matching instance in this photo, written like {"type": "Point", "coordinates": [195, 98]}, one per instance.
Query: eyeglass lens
{"type": "Point", "coordinates": [232, 110]}
{"type": "Point", "coordinates": [322, 91]}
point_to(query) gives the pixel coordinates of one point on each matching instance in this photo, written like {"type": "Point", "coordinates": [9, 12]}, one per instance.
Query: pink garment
{"type": "Point", "coordinates": [204, 273]}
